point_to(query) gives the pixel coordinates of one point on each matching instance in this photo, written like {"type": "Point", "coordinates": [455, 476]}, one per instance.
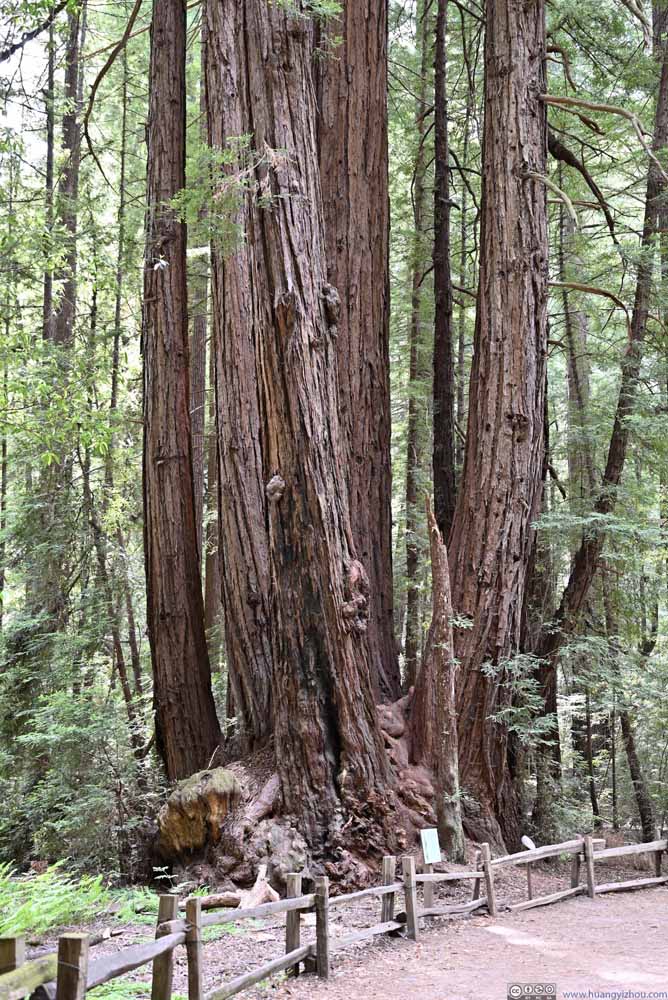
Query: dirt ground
{"type": "Point", "coordinates": [609, 944]}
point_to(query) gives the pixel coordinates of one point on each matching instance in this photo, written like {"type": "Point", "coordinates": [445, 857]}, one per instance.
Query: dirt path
{"type": "Point", "coordinates": [610, 944]}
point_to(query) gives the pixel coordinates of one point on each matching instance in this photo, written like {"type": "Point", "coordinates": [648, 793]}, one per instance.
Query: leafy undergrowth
{"type": "Point", "coordinates": [39, 902]}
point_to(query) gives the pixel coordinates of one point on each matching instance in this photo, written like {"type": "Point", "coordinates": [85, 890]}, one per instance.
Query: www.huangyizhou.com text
{"type": "Point", "coordinates": [615, 994]}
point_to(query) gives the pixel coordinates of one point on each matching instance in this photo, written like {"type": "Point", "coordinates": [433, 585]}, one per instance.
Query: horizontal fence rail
{"type": "Point", "coordinates": [68, 973]}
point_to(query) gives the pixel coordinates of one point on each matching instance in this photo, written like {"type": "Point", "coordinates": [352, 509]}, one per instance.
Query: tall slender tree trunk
{"type": "Point", "coordinates": [115, 374]}
{"type": "Point", "coordinates": [444, 368]}
{"type": "Point", "coordinates": [187, 728]}
{"type": "Point", "coordinates": [417, 376]}
{"type": "Point", "coordinates": [352, 143]}
{"type": "Point", "coordinates": [641, 790]}
{"type": "Point", "coordinates": [329, 753]}
{"type": "Point", "coordinates": [463, 274]}
{"type": "Point", "coordinates": [500, 491]}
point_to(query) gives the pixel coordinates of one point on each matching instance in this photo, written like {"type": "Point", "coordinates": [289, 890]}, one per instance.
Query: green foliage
{"type": "Point", "coordinates": [40, 902]}
{"type": "Point", "coordinates": [320, 10]}
{"type": "Point", "coordinates": [523, 712]}
{"type": "Point", "coordinates": [210, 202]}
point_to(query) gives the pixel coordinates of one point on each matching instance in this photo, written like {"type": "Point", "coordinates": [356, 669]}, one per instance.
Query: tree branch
{"type": "Point", "coordinates": [594, 290]}
{"type": "Point", "coordinates": [28, 36]}
{"type": "Point", "coordinates": [563, 153]}
{"type": "Point", "coordinates": [570, 103]}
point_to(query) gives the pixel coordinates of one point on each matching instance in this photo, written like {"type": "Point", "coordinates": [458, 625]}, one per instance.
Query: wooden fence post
{"type": "Point", "coordinates": [529, 882]}
{"type": "Point", "coordinates": [163, 965]}
{"type": "Point", "coordinates": [428, 889]}
{"type": "Point", "coordinates": [322, 926]}
{"type": "Point", "coordinates": [476, 881]}
{"type": "Point", "coordinates": [575, 870]}
{"type": "Point", "coordinates": [589, 864]}
{"type": "Point", "coordinates": [657, 863]}
{"type": "Point", "coordinates": [72, 966]}
{"type": "Point", "coordinates": [12, 953]}
{"type": "Point", "coordinates": [293, 919]}
{"type": "Point", "coordinates": [389, 875]}
{"type": "Point", "coordinates": [194, 946]}
{"type": "Point", "coordinates": [408, 868]}
{"type": "Point", "coordinates": [489, 878]}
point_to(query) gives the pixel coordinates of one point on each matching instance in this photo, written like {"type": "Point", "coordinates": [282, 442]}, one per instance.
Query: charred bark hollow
{"type": "Point", "coordinates": [352, 143]}
{"type": "Point", "coordinates": [500, 489]}
{"type": "Point", "coordinates": [329, 753]}
{"type": "Point", "coordinates": [186, 724]}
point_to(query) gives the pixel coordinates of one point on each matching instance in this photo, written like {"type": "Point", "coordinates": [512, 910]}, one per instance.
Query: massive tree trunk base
{"type": "Point", "coordinates": [258, 831]}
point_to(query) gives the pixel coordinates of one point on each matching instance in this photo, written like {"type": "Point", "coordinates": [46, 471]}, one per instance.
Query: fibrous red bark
{"type": "Point", "coordinates": [280, 315]}
{"type": "Point", "coordinates": [353, 152]}
{"type": "Point", "coordinates": [186, 725]}
{"type": "Point", "coordinates": [500, 489]}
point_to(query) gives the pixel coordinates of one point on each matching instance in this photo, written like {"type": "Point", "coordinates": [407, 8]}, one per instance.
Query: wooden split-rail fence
{"type": "Point", "coordinates": [70, 972]}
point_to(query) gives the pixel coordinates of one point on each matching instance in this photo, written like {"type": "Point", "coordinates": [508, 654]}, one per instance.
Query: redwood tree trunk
{"type": "Point", "coordinates": [328, 750]}
{"type": "Point", "coordinates": [352, 141]}
{"type": "Point", "coordinates": [186, 725]}
{"type": "Point", "coordinates": [444, 368]}
{"type": "Point", "coordinates": [500, 492]}
{"type": "Point", "coordinates": [243, 550]}
{"type": "Point", "coordinates": [417, 376]}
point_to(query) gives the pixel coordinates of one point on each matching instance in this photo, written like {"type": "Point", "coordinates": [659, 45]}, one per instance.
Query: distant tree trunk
{"type": "Point", "coordinates": [581, 474]}
{"type": "Point", "coordinates": [329, 754]}
{"type": "Point", "coordinates": [417, 376]}
{"type": "Point", "coordinates": [463, 273]}
{"type": "Point", "coordinates": [435, 740]}
{"type": "Point", "coordinates": [62, 325]}
{"type": "Point", "coordinates": [444, 368]}
{"type": "Point", "coordinates": [115, 373]}
{"type": "Point", "coordinates": [353, 148]}
{"type": "Point", "coordinates": [613, 762]}
{"type": "Point", "coordinates": [500, 491]}
{"type": "Point", "coordinates": [187, 729]}
{"type": "Point", "coordinates": [47, 294]}
{"type": "Point", "coordinates": [641, 790]}
{"type": "Point", "coordinates": [589, 753]}
{"type": "Point", "coordinates": [538, 609]}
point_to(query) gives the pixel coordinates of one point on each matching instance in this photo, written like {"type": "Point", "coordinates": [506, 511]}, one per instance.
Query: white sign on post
{"type": "Point", "coordinates": [431, 849]}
